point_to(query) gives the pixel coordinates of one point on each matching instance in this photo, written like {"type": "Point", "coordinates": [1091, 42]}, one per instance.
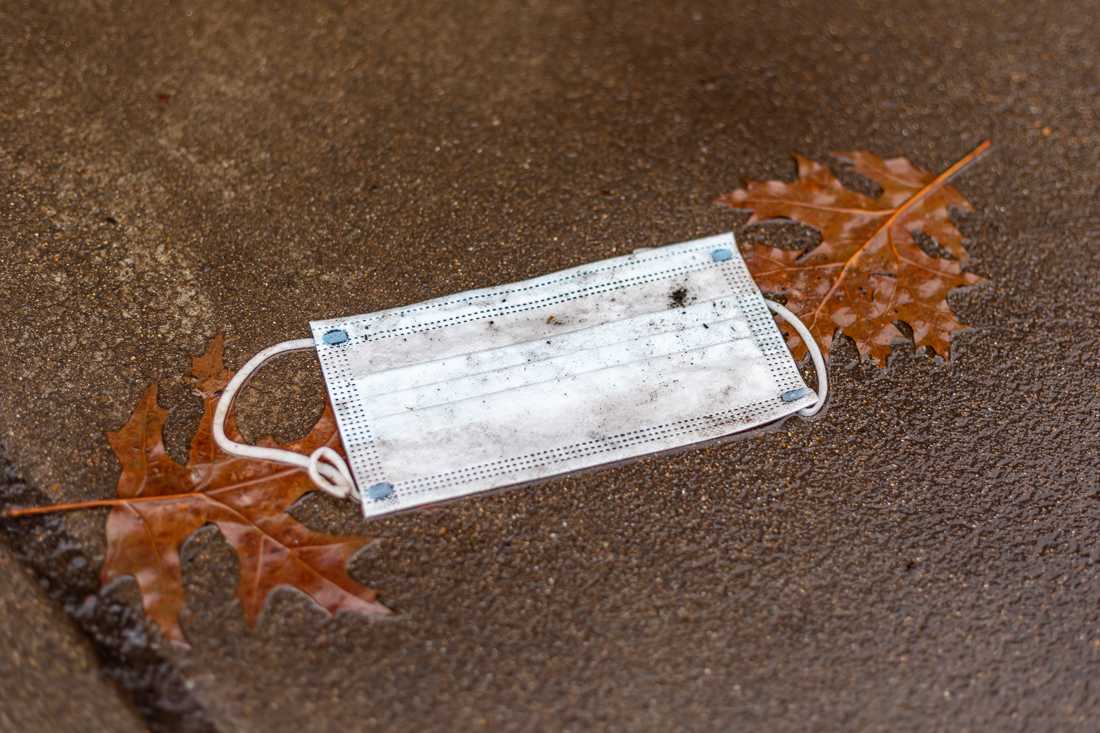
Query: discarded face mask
{"type": "Point", "coordinates": [459, 395]}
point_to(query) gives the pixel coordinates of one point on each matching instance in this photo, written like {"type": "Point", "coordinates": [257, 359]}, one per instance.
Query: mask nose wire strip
{"type": "Point", "coordinates": [327, 468]}
{"type": "Point", "coordinates": [815, 354]}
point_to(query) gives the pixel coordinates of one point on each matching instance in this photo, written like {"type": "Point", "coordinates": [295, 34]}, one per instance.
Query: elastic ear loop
{"type": "Point", "coordinates": [815, 354]}
{"type": "Point", "coordinates": [327, 468]}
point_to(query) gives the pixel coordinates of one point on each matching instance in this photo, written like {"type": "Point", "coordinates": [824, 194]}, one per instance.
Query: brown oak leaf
{"type": "Point", "coordinates": [161, 503]}
{"type": "Point", "coordinates": [868, 273]}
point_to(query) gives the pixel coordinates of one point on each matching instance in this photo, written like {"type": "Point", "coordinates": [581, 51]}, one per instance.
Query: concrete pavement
{"type": "Point", "coordinates": [922, 557]}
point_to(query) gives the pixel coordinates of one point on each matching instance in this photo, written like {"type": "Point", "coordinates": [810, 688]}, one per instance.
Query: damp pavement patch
{"type": "Point", "coordinates": [52, 680]}
{"type": "Point", "coordinates": [104, 631]}
{"type": "Point", "coordinates": [920, 557]}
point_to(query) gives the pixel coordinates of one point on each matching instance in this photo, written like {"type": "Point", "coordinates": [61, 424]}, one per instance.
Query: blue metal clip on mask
{"type": "Point", "coordinates": [632, 355]}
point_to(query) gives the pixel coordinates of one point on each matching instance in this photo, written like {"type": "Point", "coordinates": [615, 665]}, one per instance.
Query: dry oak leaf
{"type": "Point", "coordinates": [161, 503]}
{"type": "Point", "coordinates": [868, 272]}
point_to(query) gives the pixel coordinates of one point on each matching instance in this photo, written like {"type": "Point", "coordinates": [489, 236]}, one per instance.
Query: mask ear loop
{"type": "Point", "coordinates": [815, 354]}
{"type": "Point", "coordinates": [327, 468]}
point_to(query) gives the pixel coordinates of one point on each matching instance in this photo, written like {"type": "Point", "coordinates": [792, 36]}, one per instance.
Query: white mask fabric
{"type": "Point", "coordinates": [505, 385]}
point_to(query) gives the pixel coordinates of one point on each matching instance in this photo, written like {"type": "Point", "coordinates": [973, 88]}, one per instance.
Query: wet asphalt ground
{"type": "Point", "coordinates": [922, 557]}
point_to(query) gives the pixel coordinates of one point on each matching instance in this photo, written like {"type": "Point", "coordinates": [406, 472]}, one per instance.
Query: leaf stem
{"type": "Point", "coordinates": [73, 506]}
{"type": "Point", "coordinates": [122, 501]}
{"type": "Point", "coordinates": [899, 213]}
{"type": "Point", "coordinates": [939, 181]}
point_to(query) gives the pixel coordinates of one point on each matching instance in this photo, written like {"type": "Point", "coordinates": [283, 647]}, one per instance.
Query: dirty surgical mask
{"type": "Point", "coordinates": [599, 363]}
